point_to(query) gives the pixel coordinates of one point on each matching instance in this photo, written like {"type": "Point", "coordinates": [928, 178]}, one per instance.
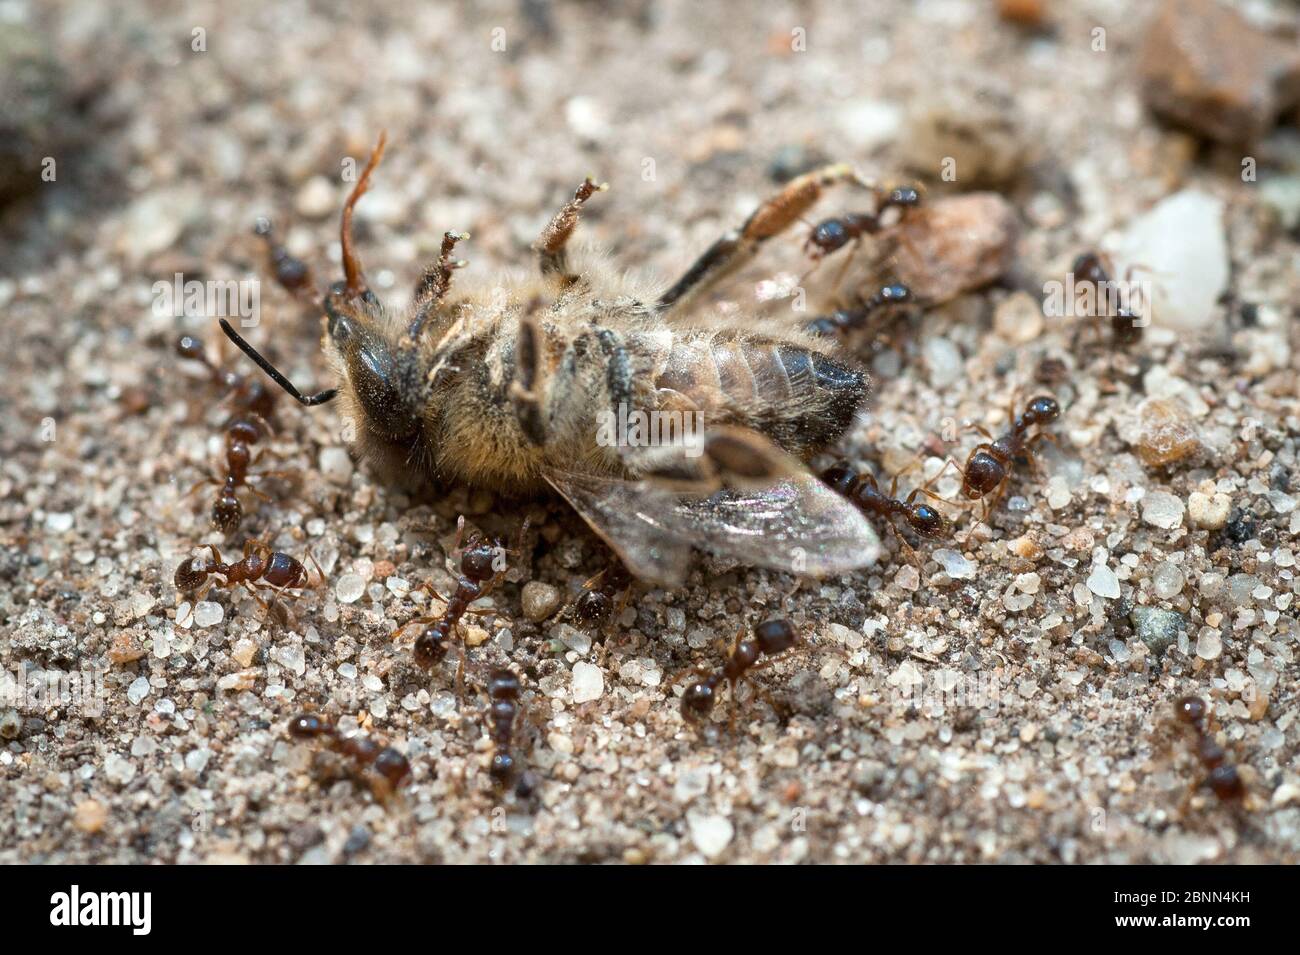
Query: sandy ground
{"type": "Point", "coordinates": [1047, 736]}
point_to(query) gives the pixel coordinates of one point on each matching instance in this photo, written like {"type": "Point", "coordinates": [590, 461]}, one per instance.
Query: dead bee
{"type": "Point", "coordinates": [663, 430]}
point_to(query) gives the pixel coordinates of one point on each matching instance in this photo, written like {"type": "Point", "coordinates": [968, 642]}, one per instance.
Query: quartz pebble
{"type": "Point", "coordinates": [335, 465]}
{"type": "Point", "coordinates": [1018, 318]}
{"type": "Point", "coordinates": [1167, 581]}
{"type": "Point", "coordinates": [588, 682]}
{"type": "Point", "coordinates": [138, 690]}
{"type": "Point", "coordinates": [90, 816]}
{"type": "Point", "coordinates": [711, 833]}
{"type": "Point", "coordinates": [349, 588]}
{"type": "Point", "coordinates": [1179, 247]}
{"type": "Point", "coordinates": [208, 613]}
{"type": "Point", "coordinates": [539, 600]}
{"type": "Point", "coordinates": [954, 564]}
{"type": "Point", "coordinates": [1103, 582]}
{"type": "Point", "coordinates": [1165, 432]}
{"type": "Point", "coordinates": [1209, 644]}
{"type": "Point", "coordinates": [1209, 511]}
{"type": "Point", "coordinates": [1162, 509]}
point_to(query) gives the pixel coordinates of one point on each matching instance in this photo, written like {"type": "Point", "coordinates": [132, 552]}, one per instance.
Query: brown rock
{"type": "Point", "coordinates": [90, 816]}
{"type": "Point", "coordinates": [1205, 67]}
{"type": "Point", "coordinates": [1166, 433]}
{"type": "Point", "coordinates": [955, 245]}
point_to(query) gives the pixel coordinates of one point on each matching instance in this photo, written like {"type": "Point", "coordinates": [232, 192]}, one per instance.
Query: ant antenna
{"type": "Point", "coordinates": [274, 373]}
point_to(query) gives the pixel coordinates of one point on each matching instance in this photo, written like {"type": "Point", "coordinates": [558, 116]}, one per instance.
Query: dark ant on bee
{"type": "Point", "coordinates": [1091, 272]}
{"type": "Point", "coordinates": [260, 568]}
{"type": "Point", "coordinates": [852, 319]}
{"type": "Point", "coordinates": [382, 768]}
{"type": "Point", "coordinates": [770, 638]}
{"type": "Point", "coordinates": [482, 568]}
{"type": "Point", "coordinates": [861, 488]}
{"type": "Point", "coordinates": [503, 690]}
{"type": "Point", "coordinates": [253, 403]}
{"type": "Point", "coordinates": [1223, 779]}
{"type": "Point", "coordinates": [989, 464]}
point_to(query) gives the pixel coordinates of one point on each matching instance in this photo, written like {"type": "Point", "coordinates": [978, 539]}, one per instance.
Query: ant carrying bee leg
{"type": "Point", "coordinates": [738, 246]}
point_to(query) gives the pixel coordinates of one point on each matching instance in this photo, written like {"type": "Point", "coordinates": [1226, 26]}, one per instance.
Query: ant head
{"type": "Point", "coordinates": [927, 521]}
{"type": "Point", "coordinates": [502, 768]}
{"type": "Point", "coordinates": [829, 235]}
{"type": "Point", "coordinates": [307, 726]}
{"type": "Point", "coordinates": [190, 575]}
{"type": "Point", "coordinates": [1043, 409]}
{"type": "Point", "coordinates": [1190, 709]}
{"type": "Point", "coordinates": [773, 636]}
{"type": "Point", "coordinates": [983, 473]}
{"type": "Point", "coordinates": [698, 700]}
{"type": "Point", "coordinates": [386, 379]}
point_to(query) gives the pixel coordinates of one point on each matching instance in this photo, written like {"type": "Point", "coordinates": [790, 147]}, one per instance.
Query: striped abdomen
{"type": "Point", "coordinates": [799, 397]}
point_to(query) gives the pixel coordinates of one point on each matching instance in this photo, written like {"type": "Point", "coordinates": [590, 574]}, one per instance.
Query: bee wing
{"type": "Point", "coordinates": [794, 524]}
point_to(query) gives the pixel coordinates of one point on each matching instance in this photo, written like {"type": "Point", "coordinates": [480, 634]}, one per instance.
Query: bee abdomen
{"type": "Point", "coordinates": [796, 395]}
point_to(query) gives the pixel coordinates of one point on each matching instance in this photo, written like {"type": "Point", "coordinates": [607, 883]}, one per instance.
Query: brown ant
{"type": "Point", "coordinates": [253, 404]}
{"type": "Point", "coordinates": [482, 567]}
{"type": "Point", "coordinates": [384, 769]}
{"type": "Point", "coordinates": [1093, 269]}
{"type": "Point", "coordinates": [1223, 779]}
{"type": "Point", "coordinates": [862, 489]}
{"type": "Point", "coordinates": [293, 274]}
{"type": "Point", "coordinates": [851, 319]}
{"type": "Point", "coordinates": [596, 606]}
{"type": "Point", "coordinates": [260, 568]}
{"type": "Point", "coordinates": [989, 465]}
{"type": "Point", "coordinates": [503, 689]}
{"type": "Point", "coordinates": [770, 638]}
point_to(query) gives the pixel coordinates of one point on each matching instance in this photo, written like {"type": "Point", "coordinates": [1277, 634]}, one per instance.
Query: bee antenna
{"type": "Point", "coordinates": [274, 373]}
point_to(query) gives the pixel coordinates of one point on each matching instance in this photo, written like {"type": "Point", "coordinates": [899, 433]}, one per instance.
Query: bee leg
{"type": "Point", "coordinates": [550, 245]}
{"type": "Point", "coordinates": [739, 246]}
{"type": "Point", "coordinates": [435, 283]}
{"type": "Point", "coordinates": [523, 389]}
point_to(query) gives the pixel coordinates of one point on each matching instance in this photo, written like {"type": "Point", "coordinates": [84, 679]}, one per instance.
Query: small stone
{"type": "Point", "coordinates": [316, 199]}
{"type": "Point", "coordinates": [1018, 318]}
{"type": "Point", "coordinates": [476, 636]}
{"type": "Point", "coordinates": [1179, 251]}
{"type": "Point", "coordinates": [1157, 628]}
{"type": "Point", "coordinates": [196, 760]}
{"type": "Point", "coordinates": [964, 134]}
{"type": "Point", "coordinates": [1209, 511]}
{"type": "Point", "coordinates": [1165, 432]}
{"type": "Point", "coordinates": [58, 522]}
{"type": "Point", "coordinates": [336, 465]}
{"type": "Point", "coordinates": [349, 588]}
{"type": "Point", "coordinates": [90, 816]}
{"type": "Point", "coordinates": [118, 769]}
{"type": "Point", "coordinates": [1058, 492]}
{"type": "Point", "coordinates": [1025, 547]}
{"type": "Point", "coordinates": [710, 832]}
{"type": "Point", "coordinates": [908, 577]}
{"type": "Point", "coordinates": [208, 613]}
{"type": "Point", "coordinates": [954, 564]}
{"type": "Point", "coordinates": [243, 652]}
{"type": "Point", "coordinates": [138, 690]}
{"type": "Point", "coordinates": [1103, 582]}
{"type": "Point", "coordinates": [943, 361]}
{"type": "Point", "coordinates": [125, 649]}
{"type": "Point", "coordinates": [1209, 644]}
{"type": "Point", "coordinates": [1205, 67]}
{"type": "Point", "coordinates": [955, 245]}
{"type": "Point", "coordinates": [1167, 581]}
{"type": "Point", "coordinates": [292, 657]}
{"type": "Point", "coordinates": [588, 682]}
{"type": "Point", "coordinates": [1162, 509]}
{"type": "Point", "coordinates": [539, 600]}
{"type": "Point", "coordinates": [11, 724]}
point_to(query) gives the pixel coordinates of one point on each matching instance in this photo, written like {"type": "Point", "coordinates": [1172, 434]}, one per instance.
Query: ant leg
{"type": "Point", "coordinates": [738, 246]}
{"type": "Point", "coordinates": [206, 481]}
{"type": "Point", "coordinates": [550, 245]}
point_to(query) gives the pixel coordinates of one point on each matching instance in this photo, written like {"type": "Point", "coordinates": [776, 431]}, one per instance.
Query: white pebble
{"type": "Point", "coordinates": [1209, 644]}
{"type": "Point", "coordinates": [1103, 582]}
{"type": "Point", "coordinates": [954, 564]}
{"type": "Point", "coordinates": [1058, 493]}
{"type": "Point", "coordinates": [208, 613]}
{"type": "Point", "coordinates": [138, 690]}
{"type": "Point", "coordinates": [58, 522]}
{"type": "Point", "coordinates": [336, 465]}
{"type": "Point", "coordinates": [588, 682]}
{"type": "Point", "coordinates": [349, 588]}
{"type": "Point", "coordinates": [943, 361]}
{"type": "Point", "coordinates": [1162, 509]}
{"type": "Point", "coordinates": [316, 199]}
{"type": "Point", "coordinates": [711, 833]}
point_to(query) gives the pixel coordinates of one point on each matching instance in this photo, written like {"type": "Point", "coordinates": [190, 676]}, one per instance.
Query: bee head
{"type": "Point", "coordinates": [385, 376]}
